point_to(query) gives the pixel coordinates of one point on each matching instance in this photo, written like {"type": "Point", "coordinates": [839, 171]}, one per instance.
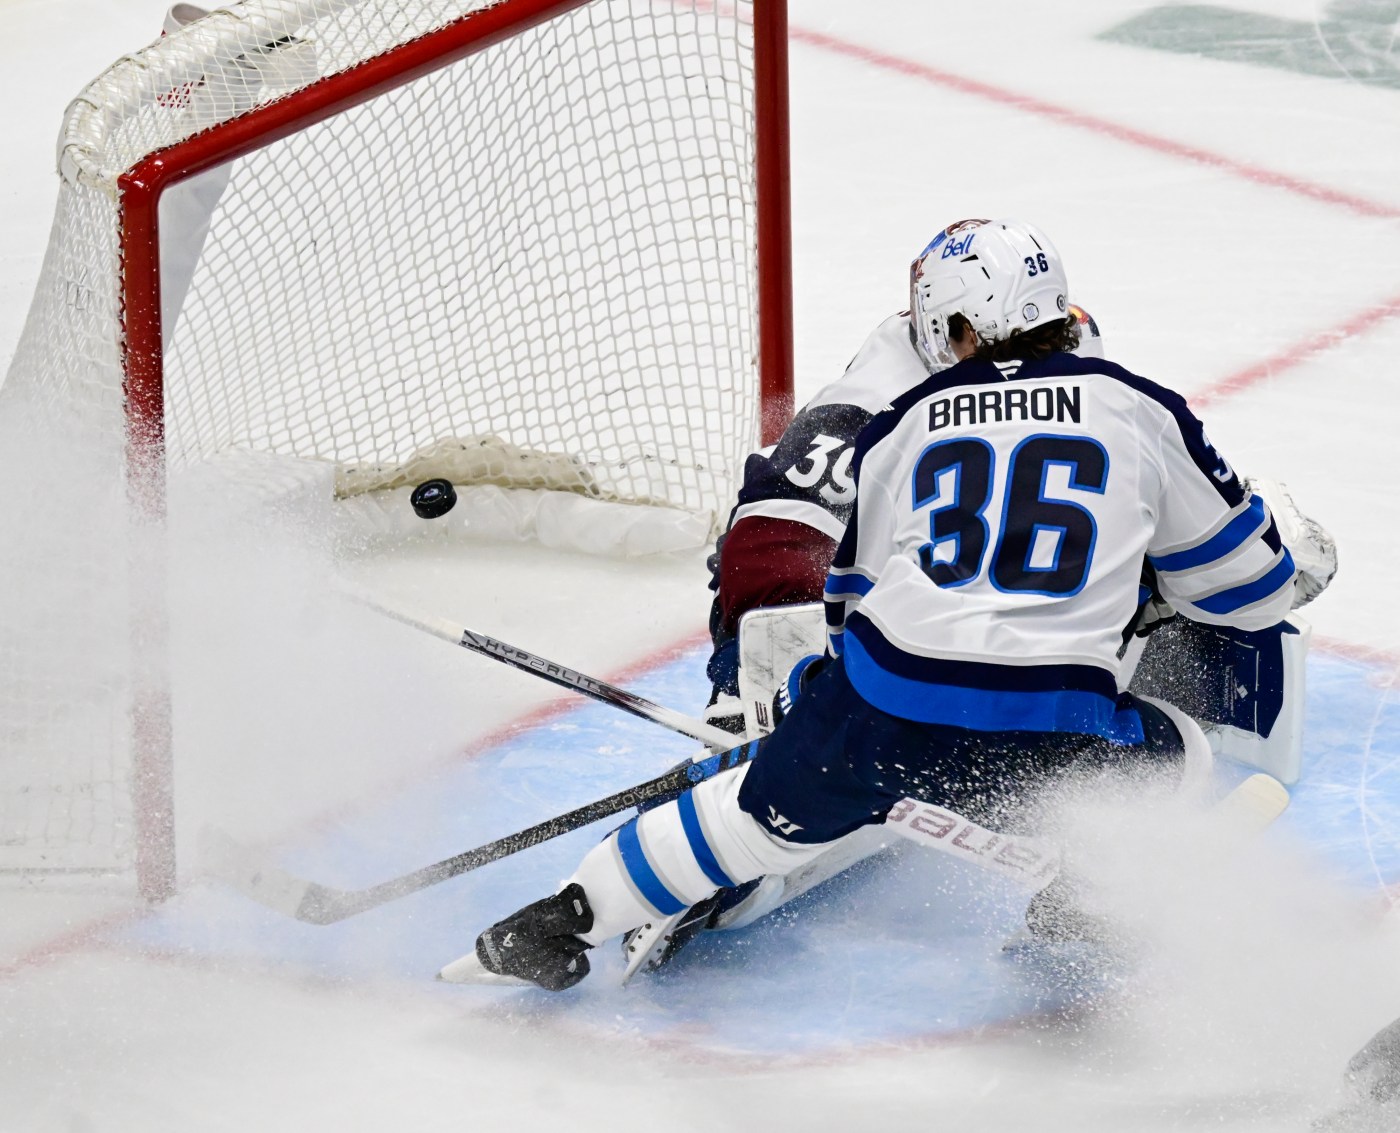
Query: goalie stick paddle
{"type": "Point", "coordinates": [486, 646]}
{"type": "Point", "coordinates": [318, 904]}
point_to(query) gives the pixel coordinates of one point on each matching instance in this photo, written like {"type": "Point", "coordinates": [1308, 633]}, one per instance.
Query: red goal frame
{"type": "Point", "coordinates": [139, 192]}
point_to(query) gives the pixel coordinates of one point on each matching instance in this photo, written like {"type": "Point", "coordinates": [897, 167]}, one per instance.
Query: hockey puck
{"type": "Point", "coordinates": [433, 498]}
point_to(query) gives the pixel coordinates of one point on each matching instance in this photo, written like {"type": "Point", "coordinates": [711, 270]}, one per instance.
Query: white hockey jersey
{"type": "Point", "coordinates": [996, 548]}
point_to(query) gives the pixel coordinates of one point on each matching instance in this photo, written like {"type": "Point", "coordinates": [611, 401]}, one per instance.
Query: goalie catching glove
{"type": "Point", "coordinates": [1313, 549]}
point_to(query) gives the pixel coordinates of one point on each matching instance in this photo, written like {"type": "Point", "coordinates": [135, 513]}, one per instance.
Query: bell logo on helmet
{"type": "Point", "coordinates": [958, 247]}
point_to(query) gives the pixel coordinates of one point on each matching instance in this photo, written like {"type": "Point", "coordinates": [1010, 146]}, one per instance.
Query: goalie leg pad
{"type": "Point", "coordinates": [1247, 689]}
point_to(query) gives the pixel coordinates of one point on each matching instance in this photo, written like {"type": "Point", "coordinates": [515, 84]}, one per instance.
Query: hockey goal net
{"type": "Point", "coordinates": [355, 238]}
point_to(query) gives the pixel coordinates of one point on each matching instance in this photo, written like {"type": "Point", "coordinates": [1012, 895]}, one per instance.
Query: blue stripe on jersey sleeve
{"type": "Point", "coordinates": [1238, 597]}
{"type": "Point", "coordinates": [699, 846]}
{"type": "Point", "coordinates": [643, 876]}
{"type": "Point", "coordinates": [841, 586]}
{"type": "Point", "coordinates": [1228, 539]}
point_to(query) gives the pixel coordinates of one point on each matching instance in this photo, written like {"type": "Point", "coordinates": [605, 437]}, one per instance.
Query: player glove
{"type": "Point", "coordinates": [798, 681]}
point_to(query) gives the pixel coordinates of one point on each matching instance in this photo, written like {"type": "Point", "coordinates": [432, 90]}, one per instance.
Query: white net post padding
{"type": "Point", "coordinates": [541, 254]}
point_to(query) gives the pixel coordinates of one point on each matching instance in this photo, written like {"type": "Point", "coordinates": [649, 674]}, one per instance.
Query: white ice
{"type": "Point", "coordinates": [1212, 215]}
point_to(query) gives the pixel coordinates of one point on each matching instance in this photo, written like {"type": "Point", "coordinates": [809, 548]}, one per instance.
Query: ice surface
{"type": "Point", "coordinates": [1213, 215]}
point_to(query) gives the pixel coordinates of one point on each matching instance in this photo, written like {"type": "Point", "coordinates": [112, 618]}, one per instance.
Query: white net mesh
{"type": "Point", "coordinates": [549, 242]}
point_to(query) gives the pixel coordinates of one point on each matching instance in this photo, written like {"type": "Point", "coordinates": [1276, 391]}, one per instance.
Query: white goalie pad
{"type": "Point", "coordinates": [772, 639]}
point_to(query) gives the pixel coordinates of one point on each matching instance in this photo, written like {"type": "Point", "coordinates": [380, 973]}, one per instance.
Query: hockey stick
{"type": "Point", "coordinates": [319, 904]}
{"type": "Point", "coordinates": [1028, 859]}
{"type": "Point", "coordinates": [714, 738]}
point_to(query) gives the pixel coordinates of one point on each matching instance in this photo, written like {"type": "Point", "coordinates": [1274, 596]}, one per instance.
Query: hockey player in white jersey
{"type": "Point", "coordinates": [791, 512]}
{"type": "Point", "coordinates": [975, 606]}
{"type": "Point", "coordinates": [797, 496]}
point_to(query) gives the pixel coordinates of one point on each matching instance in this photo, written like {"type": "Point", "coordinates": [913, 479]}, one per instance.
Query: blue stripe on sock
{"type": "Point", "coordinates": [709, 864]}
{"type": "Point", "coordinates": [643, 876]}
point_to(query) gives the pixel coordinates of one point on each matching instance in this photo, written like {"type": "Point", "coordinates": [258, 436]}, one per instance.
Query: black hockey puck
{"type": "Point", "coordinates": [433, 498]}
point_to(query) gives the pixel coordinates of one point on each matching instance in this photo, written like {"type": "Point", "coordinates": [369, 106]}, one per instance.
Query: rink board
{"type": "Point", "coordinates": [905, 948]}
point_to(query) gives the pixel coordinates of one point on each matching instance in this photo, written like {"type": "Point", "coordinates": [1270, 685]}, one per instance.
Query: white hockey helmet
{"type": "Point", "coordinates": [1090, 340]}
{"type": "Point", "coordinates": [1003, 276]}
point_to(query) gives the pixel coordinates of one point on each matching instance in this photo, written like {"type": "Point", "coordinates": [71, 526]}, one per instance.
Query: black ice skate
{"type": "Point", "coordinates": [538, 945]}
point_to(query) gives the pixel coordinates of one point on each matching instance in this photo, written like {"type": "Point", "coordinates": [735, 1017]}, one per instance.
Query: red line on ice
{"type": "Point", "coordinates": [1297, 353]}
{"type": "Point", "coordinates": [1102, 126]}
{"type": "Point", "coordinates": [1063, 115]}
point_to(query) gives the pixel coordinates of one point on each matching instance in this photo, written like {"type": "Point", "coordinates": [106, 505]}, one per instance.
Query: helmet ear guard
{"type": "Point", "coordinates": [1003, 276]}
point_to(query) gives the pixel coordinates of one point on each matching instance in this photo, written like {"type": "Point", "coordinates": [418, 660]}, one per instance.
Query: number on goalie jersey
{"type": "Point", "coordinates": [798, 495]}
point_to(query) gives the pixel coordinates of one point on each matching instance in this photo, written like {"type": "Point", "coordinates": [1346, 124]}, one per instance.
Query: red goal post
{"type": "Point", "coordinates": [378, 172]}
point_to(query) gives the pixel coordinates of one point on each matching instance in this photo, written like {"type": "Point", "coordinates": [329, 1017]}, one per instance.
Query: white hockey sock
{"type": "Point", "coordinates": [678, 854]}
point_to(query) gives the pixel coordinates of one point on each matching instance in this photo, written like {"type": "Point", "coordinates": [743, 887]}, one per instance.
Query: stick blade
{"type": "Point", "coordinates": [231, 861]}
{"type": "Point", "coordinates": [1253, 806]}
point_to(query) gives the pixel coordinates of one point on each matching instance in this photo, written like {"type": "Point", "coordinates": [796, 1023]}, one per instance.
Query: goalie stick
{"type": "Point", "coordinates": [314, 903]}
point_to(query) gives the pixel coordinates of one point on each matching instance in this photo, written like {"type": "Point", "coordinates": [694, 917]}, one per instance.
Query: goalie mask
{"type": "Point", "coordinates": [1003, 276]}
{"type": "Point", "coordinates": [1090, 340]}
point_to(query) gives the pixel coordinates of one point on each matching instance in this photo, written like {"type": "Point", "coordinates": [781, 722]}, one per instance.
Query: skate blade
{"type": "Point", "coordinates": [469, 970]}
{"type": "Point", "coordinates": [647, 945]}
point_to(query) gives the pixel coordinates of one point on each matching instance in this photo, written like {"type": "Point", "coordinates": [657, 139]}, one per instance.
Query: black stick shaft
{"type": "Point", "coordinates": [486, 646]}
{"type": "Point", "coordinates": [323, 905]}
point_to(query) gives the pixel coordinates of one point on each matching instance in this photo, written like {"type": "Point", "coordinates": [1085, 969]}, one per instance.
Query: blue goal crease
{"type": "Point", "coordinates": [867, 959]}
